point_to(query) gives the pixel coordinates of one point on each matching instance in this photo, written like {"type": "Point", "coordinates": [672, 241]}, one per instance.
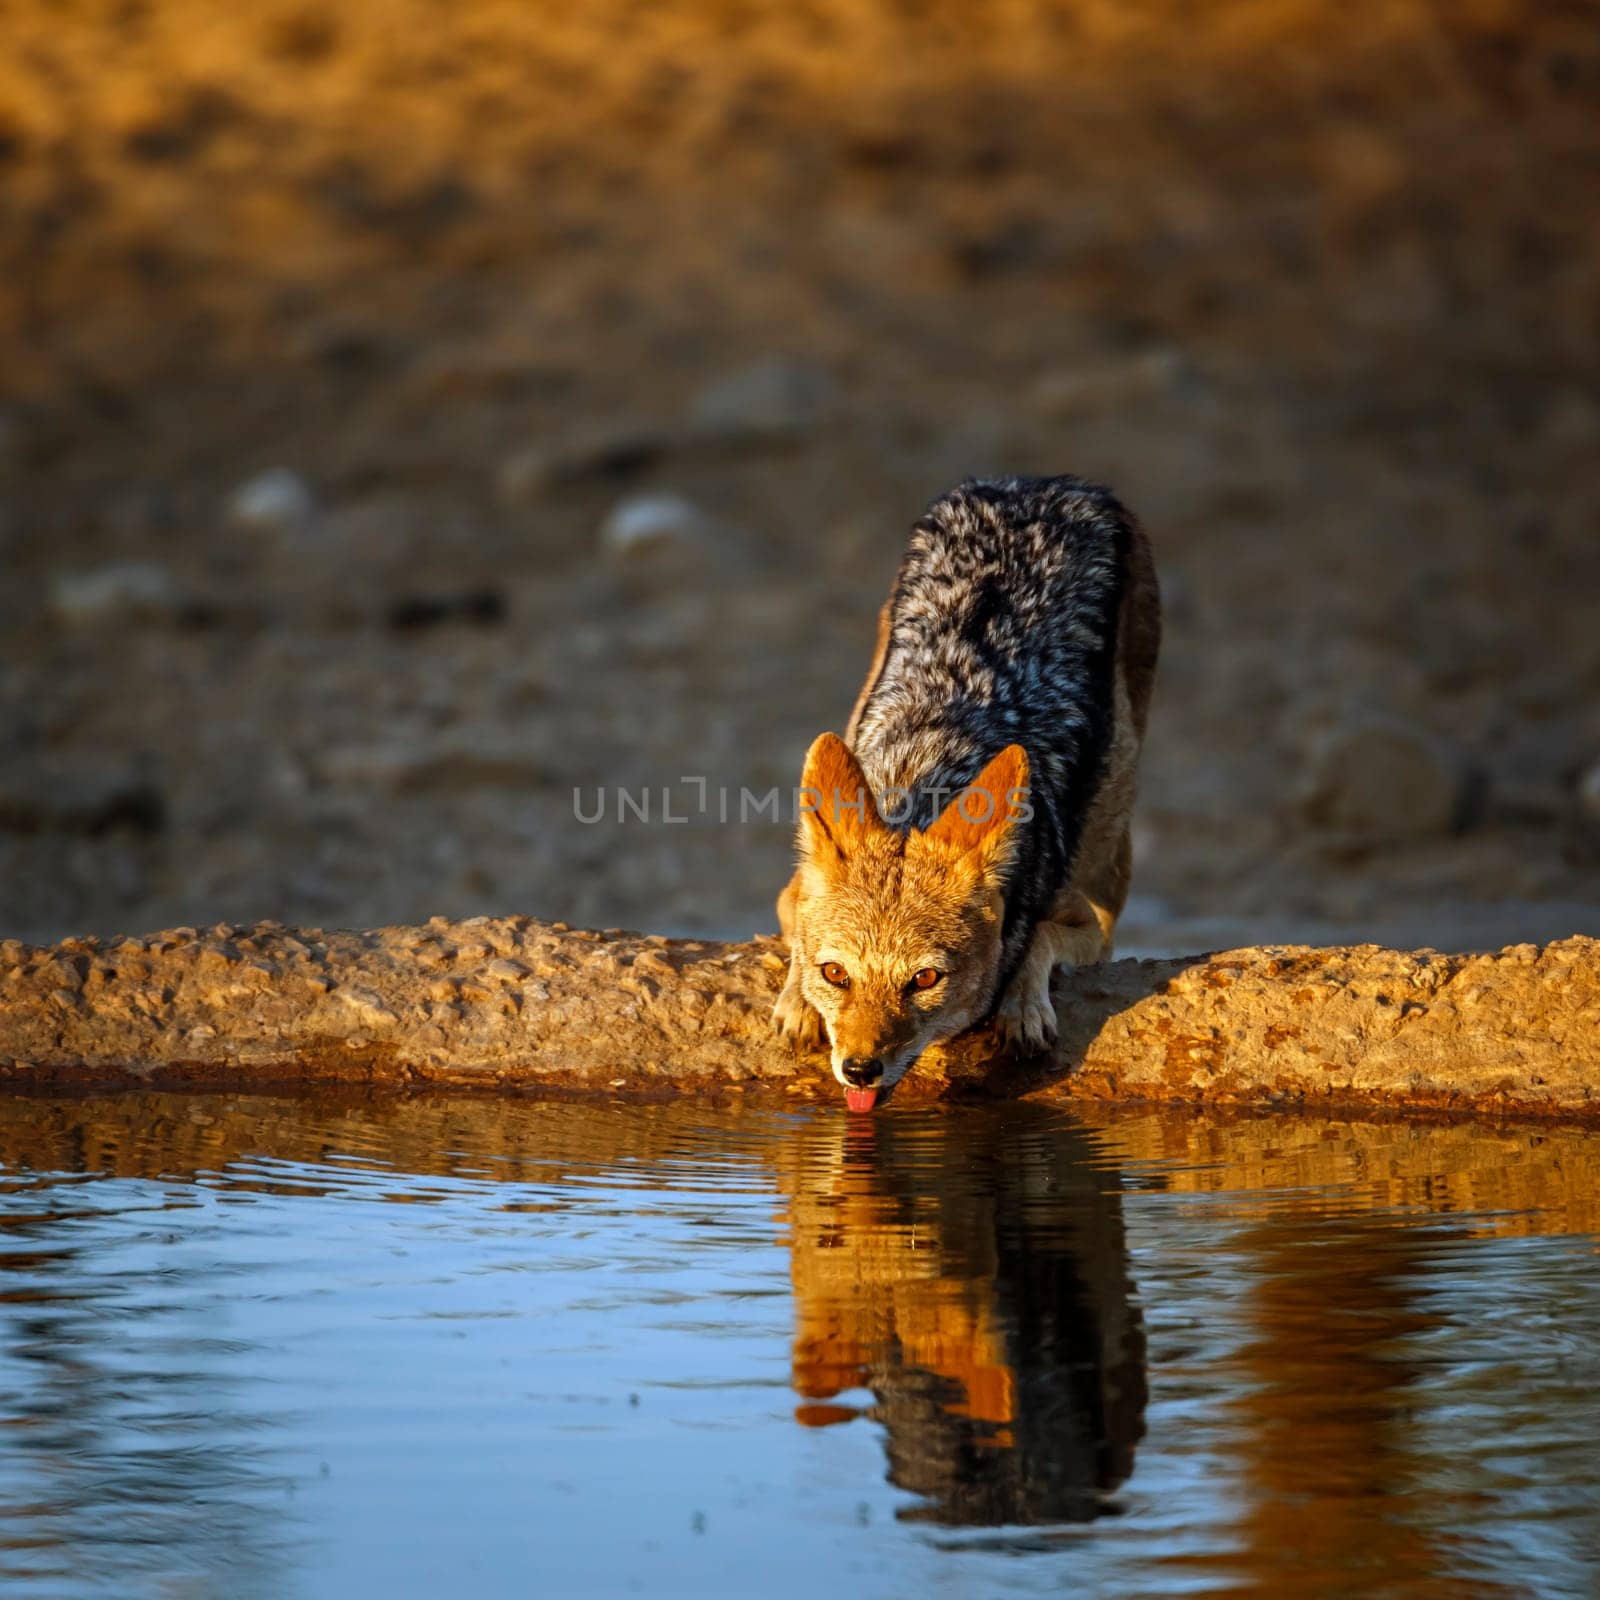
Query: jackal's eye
{"type": "Point", "coordinates": [926, 977]}
{"type": "Point", "coordinates": [835, 974]}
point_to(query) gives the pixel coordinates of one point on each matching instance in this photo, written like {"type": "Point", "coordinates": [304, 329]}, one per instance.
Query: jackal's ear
{"type": "Point", "coordinates": [836, 807]}
{"type": "Point", "coordinates": [983, 816]}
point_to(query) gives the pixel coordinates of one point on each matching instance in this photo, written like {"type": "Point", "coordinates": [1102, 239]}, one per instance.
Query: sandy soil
{"type": "Point", "coordinates": [1315, 287]}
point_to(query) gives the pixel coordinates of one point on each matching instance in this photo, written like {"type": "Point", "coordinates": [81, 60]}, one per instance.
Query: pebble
{"type": "Point", "coordinates": [770, 401]}
{"type": "Point", "coordinates": [275, 501]}
{"type": "Point", "coordinates": [1589, 792]}
{"type": "Point", "coordinates": [366, 1005]}
{"type": "Point", "coordinates": [1383, 778]}
{"type": "Point", "coordinates": [654, 533]}
{"type": "Point", "coordinates": [126, 591]}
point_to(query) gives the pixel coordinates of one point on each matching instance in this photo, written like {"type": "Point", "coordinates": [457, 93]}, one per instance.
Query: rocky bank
{"type": "Point", "coordinates": [511, 1004]}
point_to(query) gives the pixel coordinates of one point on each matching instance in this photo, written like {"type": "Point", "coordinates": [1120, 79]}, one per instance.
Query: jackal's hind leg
{"type": "Point", "coordinates": [1077, 934]}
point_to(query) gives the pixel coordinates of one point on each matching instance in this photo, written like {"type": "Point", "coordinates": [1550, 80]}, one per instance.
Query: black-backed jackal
{"type": "Point", "coordinates": [970, 831]}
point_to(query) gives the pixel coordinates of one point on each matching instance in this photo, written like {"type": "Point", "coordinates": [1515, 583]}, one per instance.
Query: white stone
{"type": "Point", "coordinates": [1589, 791]}
{"type": "Point", "coordinates": [653, 529]}
{"type": "Point", "coordinates": [275, 501]}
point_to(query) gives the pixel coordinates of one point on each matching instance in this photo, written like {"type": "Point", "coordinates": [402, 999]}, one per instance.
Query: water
{"type": "Point", "coordinates": [252, 1347]}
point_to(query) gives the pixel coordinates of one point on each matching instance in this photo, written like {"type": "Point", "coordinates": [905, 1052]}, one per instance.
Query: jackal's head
{"type": "Point", "coordinates": [898, 933]}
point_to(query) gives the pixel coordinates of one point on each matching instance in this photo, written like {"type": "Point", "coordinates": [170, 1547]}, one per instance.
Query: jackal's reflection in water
{"type": "Point", "coordinates": [971, 1273]}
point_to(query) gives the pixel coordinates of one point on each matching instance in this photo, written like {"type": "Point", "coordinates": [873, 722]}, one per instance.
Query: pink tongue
{"type": "Point", "coordinates": [861, 1099]}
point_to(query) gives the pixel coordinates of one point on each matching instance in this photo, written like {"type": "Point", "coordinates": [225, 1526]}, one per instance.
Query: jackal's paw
{"type": "Point", "coordinates": [796, 1018]}
{"type": "Point", "coordinates": [1027, 1018]}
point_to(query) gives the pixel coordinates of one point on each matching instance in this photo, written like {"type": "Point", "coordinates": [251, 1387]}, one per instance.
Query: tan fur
{"type": "Point", "coordinates": [976, 820]}
{"type": "Point", "coordinates": [884, 904]}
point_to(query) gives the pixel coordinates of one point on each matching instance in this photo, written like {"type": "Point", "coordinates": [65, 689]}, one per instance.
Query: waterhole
{"type": "Point", "coordinates": [258, 1347]}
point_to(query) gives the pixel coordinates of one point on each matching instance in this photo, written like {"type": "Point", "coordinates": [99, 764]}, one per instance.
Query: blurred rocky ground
{"type": "Point", "coordinates": [413, 413]}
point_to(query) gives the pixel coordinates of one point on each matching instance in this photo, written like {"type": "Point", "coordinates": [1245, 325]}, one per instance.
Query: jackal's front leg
{"type": "Point", "coordinates": [792, 1014]}
{"type": "Point", "coordinates": [1077, 934]}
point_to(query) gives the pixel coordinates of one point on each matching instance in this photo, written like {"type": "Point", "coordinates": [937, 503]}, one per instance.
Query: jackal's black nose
{"type": "Point", "coordinates": [861, 1074]}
